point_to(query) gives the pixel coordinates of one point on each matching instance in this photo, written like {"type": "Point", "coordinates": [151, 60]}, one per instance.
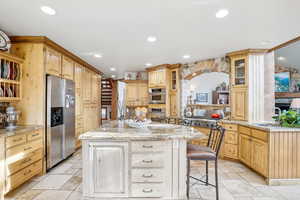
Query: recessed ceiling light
{"type": "Point", "coordinates": [148, 64]}
{"type": "Point", "coordinates": [97, 55]}
{"type": "Point", "coordinates": [151, 39]}
{"type": "Point", "coordinates": [113, 76]}
{"type": "Point", "coordinates": [265, 42]}
{"type": "Point", "coordinates": [112, 69]}
{"type": "Point", "coordinates": [186, 56]}
{"type": "Point", "coordinates": [194, 74]}
{"type": "Point", "coordinates": [281, 58]}
{"type": "Point", "coordinates": [48, 10]}
{"type": "Point", "coordinates": [222, 13]}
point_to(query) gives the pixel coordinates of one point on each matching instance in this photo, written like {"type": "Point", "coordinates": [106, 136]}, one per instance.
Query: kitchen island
{"type": "Point", "coordinates": [124, 162]}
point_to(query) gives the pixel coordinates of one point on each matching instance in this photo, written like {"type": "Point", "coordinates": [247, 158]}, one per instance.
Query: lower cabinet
{"type": "Point", "coordinates": [254, 152]}
{"type": "Point", "coordinates": [134, 169]}
{"type": "Point", "coordinates": [23, 158]}
{"type": "Point", "coordinates": [260, 156]}
{"type": "Point", "coordinates": [111, 162]}
{"type": "Point", "coordinates": [245, 149]}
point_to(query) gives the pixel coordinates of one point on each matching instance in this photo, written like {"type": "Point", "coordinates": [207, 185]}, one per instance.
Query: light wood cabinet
{"type": "Point", "coordinates": [239, 71]}
{"type": "Point", "coordinates": [260, 156]}
{"type": "Point", "coordinates": [157, 78]}
{"type": "Point", "coordinates": [52, 62]}
{"type": "Point", "coordinates": [26, 149]}
{"type": "Point", "coordinates": [95, 89]}
{"type": "Point", "coordinates": [137, 93]}
{"type": "Point", "coordinates": [87, 86]}
{"type": "Point", "coordinates": [173, 105]}
{"type": "Point", "coordinates": [253, 151]}
{"type": "Point", "coordinates": [67, 68]}
{"type": "Point", "coordinates": [239, 103]}
{"type": "Point", "coordinates": [245, 149]}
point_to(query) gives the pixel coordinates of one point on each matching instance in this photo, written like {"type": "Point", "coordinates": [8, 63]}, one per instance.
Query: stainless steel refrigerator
{"type": "Point", "coordinates": [60, 120]}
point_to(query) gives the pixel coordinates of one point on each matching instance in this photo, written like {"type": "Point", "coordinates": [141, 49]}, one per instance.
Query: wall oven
{"type": "Point", "coordinates": [157, 95]}
{"type": "Point", "coordinates": [157, 113]}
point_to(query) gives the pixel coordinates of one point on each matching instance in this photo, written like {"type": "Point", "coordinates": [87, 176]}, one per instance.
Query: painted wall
{"type": "Point", "coordinates": [204, 83]}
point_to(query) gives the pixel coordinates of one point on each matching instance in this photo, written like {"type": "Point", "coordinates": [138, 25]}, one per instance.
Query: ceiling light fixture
{"type": "Point", "coordinates": [186, 56]}
{"type": "Point", "coordinates": [151, 39]}
{"type": "Point", "coordinates": [148, 64]}
{"type": "Point", "coordinates": [265, 42]}
{"type": "Point", "coordinates": [222, 13]}
{"type": "Point", "coordinates": [113, 76]}
{"type": "Point", "coordinates": [97, 55]}
{"type": "Point", "coordinates": [48, 10]}
{"type": "Point", "coordinates": [281, 58]}
{"type": "Point", "coordinates": [112, 69]}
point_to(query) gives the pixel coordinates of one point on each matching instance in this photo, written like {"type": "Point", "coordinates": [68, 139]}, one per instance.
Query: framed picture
{"type": "Point", "coordinates": [282, 82]}
{"type": "Point", "coordinates": [202, 97]}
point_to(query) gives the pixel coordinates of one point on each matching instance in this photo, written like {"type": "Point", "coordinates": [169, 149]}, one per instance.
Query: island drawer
{"type": "Point", "coordinates": [147, 175]}
{"type": "Point", "coordinates": [146, 190]}
{"type": "Point", "coordinates": [147, 160]}
{"type": "Point", "coordinates": [147, 146]}
{"type": "Point", "coordinates": [15, 140]}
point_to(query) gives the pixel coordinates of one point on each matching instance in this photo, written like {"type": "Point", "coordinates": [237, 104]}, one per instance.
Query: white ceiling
{"type": "Point", "coordinates": [118, 29]}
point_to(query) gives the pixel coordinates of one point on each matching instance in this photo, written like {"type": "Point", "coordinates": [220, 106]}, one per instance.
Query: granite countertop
{"type": "Point", "coordinates": [19, 130]}
{"type": "Point", "coordinates": [264, 126]}
{"type": "Point", "coordinates": [118, 130]}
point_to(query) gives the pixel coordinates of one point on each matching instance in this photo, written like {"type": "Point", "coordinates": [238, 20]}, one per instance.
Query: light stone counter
{"type": "Point", "coordinates": [123, 163]}
{"type": "Point", "coordinates": [118, 130]}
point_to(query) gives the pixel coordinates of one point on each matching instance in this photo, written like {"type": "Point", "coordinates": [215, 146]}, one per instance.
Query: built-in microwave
{"type": "Point", "coordinates": [157, 95]}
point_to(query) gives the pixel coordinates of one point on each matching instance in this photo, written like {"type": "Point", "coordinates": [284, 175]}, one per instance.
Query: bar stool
{"type": "Point", "coordinates": [207, 153]}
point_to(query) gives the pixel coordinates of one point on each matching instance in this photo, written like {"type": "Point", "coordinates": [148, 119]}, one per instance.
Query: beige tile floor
{"type": "Point", "coordinates": [237, 182]}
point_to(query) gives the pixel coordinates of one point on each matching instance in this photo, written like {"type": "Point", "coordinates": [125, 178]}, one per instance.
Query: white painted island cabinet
{"type": "Point", "coordinates": [131, 164]}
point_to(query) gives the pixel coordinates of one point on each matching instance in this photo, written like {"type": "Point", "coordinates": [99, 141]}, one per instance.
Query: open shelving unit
{"type": "Point", "coordinates": [10, 77]}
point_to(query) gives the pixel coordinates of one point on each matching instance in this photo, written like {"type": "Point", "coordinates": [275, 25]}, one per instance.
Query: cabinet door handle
{"type": "Point", "coordinates": [27, 160]}
{"type": "Point", "coordinates": [33, 135]}
{"type": "Point", "coordinates": [28, 172]}
{"type": "Point", "coordinates": [149, 190]}
{"type": "Point", "coordinates": [147, 176]}
{"type": "Point", "coordinates": [147, 146]}
{"type": "Point", "coordinates": [147, 161]}
{"type": "Point", "coordinates": [16, 140]}
{"type": "Point", "coordinates": [27, 148]}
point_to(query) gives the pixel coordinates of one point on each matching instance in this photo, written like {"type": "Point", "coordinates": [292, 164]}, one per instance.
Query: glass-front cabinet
{"type": "Point", "coordinates": [239, 71]}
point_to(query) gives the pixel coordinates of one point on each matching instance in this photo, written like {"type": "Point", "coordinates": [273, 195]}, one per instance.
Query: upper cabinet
{"type": "Point", "coordinates": [52, 62]}
{"type": "Point", "coordinates": [239, 69]}
{"type": "Point", "coordinates": [136, 93]}
{"type": "Point", "coordinates": [67, 68]}
{"type": "Point", "coordinates": [157, 78]}
{"type": "Point", "coordinates": [10, 77]}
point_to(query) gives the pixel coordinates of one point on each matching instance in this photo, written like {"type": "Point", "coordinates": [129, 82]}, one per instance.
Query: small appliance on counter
{"type": "Point", "coordinates": [12, 117]}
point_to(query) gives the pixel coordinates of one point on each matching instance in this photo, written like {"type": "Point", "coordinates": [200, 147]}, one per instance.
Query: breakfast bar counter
{"type": "Point", "coordinates": [123, 162]}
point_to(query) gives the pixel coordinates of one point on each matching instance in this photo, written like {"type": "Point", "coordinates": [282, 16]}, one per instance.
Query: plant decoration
{"type": "Point", "coordinates": [289, 118]}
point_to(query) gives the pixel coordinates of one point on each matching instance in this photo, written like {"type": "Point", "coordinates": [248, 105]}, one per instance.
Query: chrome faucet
{"type": "Point", "coordinates": [279, 111]}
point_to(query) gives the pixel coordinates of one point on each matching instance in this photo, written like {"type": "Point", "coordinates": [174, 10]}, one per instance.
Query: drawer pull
{"type": "Point", "coordinates": [17, 140]}
{"type": "Point", "coordinates": [28, 148]}
{"type": "Point", "coordinates": [147, 161]}
{"type": "Point", "coordinates": [28, 172]}
{"type": "Point", "coordinates": [147, 190]}
{"type": "Point", "coordinates": [147, 146]}
{"type": "Point", "coordinates": [147, 176]}
{"type": "Point", "coordinates": [33, 135]}
{"type": "Point", "coordinates": [26, 160]}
